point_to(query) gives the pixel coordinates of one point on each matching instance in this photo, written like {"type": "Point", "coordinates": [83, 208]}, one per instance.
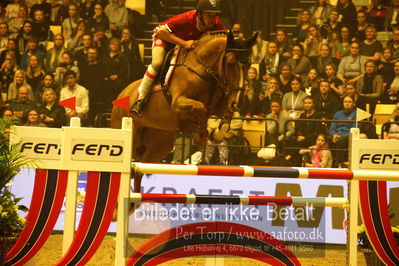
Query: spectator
{"type": "Point", "coordinates": [100, 40]}
{"type": "Point", "coordinates": [3, 36]}
{"type": "Point", "coordinates": [320, 12]}
{"type": "Point", "coordinates": [40, 26]}
{"type": "Point", "coordinates": [313, 43]}
{"type": "Point", "coordinates": [299, 63]}
{"type": "Point", "coordinates": [281, 116]}
{"type": "Point", "coordinates": [311, 82]}
{"type": "Point", "coordinates": [341, 47]}
{"type": "Point", "coordinates": [323, 59]}
{"type": "Point", "coordinates": [284, 45]}
{"type": "Point", "coordinates": [115, 68]}
{"type": "Point", "coordinates": [12, 9]}
{"type": "Point", "coordinates": [392, 18]}
{"type": "Point", "coordinates": [47, 83]}
{"type": "Point", "coordinates": [21, 103]}
{"type": "Point", "coordinates": [284, 78]}
{"type": "Point", "coordinates": [2, 14]}
{"type": "Point", "coordinates": [331, 26]}
{"type": "Point", "coordinates": [54, 54]}
{"type": "Point", "coordinates": [391, 92]}
{"type": "Point", "coordinates": [265, 96]}
{"type": "Point", "coordinates": [32, 49]}
{"type": "Point", "coordinates": [7, 72]}
{"type": "Point", "coordinates": [6, 112]}
{"type": "Point", "coordinates": [65, 65]}
{"type": "Point", "coordinates": [99, 18]}
{"type": "Point", "coordinates": [336, 85]}
{"type": "Point", "coordinates": [73, 89]}
{"type": "Point", "coordinates": [17, 23]}
{"type": "Point", "coordinates": [53, 114]}
{"type": "Point", "coordinates": [325, 101]}
{"type": "Point", "coordinates": [360, 33]}
{"type": "Point", "coordinates": [259, 49]}
{"type": "Point", "coordinates": [307, 131]}
{"type": "Point", "coordinates": [339, 131]}
{"type": "Point", "coordinates": [351, 67]}
{"type": "Point", "coordinates": [370, 84]}
{"type": "Point", "coordinates": [386, 67]}
{"type": "Point", "coordinates": [347, 10]}
{"type": "Point", "coordinates": [303, 25]}
{"type": "Point", "coordinates": [393, 44]}
{"type": "Point", "coordinates": [252, 89]}
{"type": "Point", "coordinates": [130, 48]}
{"type": "Point", "coordinates": [236, 30]}
{"type": "Point", "coordinates": [117, 15]}
{"type": "Point", "coordinates": [19, 81]}
{"type": "Point", "coordinates": [44, 7]}
{"type": "Point", "coordinates": [371, 48]}
{"type": "Point", "coordinates": [62, 12]}
{"type": "Point", "coordinates": [293, 100]}
{"type": "Point", "coordinates": [24, 35]}
{"type": "Point", "coordinates": [318, 155]}
{"type": "Point", "coordinates": [86, 9]}
{"type": "Point", "coordinates": [269, 65]}
{"type": "Point", "coordinates": [76, 41]}
{"type": "Point", "coordinates": [11, 48]}
{"type": "Point", "coordinates": [360, 101]}
{"type": "Point", "coordinates": [69, 25]}
{"type": "Point", "coordinates": [92, 78]}
{"type": "Point", "coordinates": [34, 118]}
{"type": "Point", "coordinates": [391, 131]}
{"type": "Point", "coordinates": [377, 13]}
{"type": "Point", "coordinates": [81, 52]}
{"type": "Point", "coordinates": [34, 76]}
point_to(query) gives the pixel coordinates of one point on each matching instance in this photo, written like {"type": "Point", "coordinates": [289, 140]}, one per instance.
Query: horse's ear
{"type": "Point", "coordinates": [251, 41]}
{"type": "Point", "coordinates": [230, 40]}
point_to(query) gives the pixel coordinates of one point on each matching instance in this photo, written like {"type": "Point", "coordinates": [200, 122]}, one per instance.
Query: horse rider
{"type": "Point", "coordinates": [182, 29]}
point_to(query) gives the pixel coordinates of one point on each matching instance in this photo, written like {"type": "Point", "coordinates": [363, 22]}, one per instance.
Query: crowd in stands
{"type": "Point", "coordinates": [54, 50]}
{"type": "Point", "coordinates": [331, 65]}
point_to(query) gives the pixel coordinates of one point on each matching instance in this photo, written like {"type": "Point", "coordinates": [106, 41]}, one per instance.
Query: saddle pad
{"type": "Point", "coordinates": [173, 61]}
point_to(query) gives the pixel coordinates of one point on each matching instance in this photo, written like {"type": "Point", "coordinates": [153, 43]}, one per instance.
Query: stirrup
{"type": "Point", "coordinates": [138, 108]}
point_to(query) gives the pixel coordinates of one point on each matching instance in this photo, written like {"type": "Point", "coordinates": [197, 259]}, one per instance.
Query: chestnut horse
{"type": "Point", "coordinates": [206, 81]}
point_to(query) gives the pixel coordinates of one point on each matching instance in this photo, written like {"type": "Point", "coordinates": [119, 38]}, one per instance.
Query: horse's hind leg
{"type": "Point", "coordinates": [158, 144]}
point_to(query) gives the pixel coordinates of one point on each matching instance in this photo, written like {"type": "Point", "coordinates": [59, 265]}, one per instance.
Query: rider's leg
{"type": "Point", "coordinates": [158, 55]}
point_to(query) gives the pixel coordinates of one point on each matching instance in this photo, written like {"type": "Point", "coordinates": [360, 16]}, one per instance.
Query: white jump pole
{"type": "Point", "coordinates": [71, 202]}
{"type": "Point", "coordinates": [353, 194]}
{"type": "Point", "coordinates": [122, 231]}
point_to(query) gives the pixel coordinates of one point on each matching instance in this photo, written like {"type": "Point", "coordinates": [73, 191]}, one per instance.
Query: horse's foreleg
{"type": "Point", "coordinates": [187, 105]}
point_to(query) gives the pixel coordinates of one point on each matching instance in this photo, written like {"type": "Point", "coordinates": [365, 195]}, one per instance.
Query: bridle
{"type": "Point", "coordinates": [218, 76]}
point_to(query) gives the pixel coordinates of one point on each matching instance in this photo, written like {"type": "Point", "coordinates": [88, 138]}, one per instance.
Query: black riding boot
{"type": "Point", "coordinates": [138, 107]}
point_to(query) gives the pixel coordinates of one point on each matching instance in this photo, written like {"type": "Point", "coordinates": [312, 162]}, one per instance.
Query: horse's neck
{"type": "Point", "coordinates": [210, 52]}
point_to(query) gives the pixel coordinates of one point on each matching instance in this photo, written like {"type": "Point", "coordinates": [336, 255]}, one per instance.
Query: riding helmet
{"type": "Point", "coordinates": [208, 6]}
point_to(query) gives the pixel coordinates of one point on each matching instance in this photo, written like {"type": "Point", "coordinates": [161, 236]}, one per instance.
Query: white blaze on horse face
{"type": "Point", "coordinates": [241, 75]}
{"type": "Point", "coordinates": [237, 101]}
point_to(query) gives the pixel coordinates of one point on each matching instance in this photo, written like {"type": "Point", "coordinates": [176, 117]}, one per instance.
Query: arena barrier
{"type": "Point", "coordinates": [101, 151]}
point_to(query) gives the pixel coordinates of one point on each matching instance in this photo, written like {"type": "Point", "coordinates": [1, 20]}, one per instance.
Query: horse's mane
{"type": "Point", "coordinates": [212, 35]}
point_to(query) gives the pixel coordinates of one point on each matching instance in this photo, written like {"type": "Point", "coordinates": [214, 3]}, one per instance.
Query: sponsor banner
{"type": "Point", "coordinates": [372, 154]}
{"type": "Point", "coordinates": [46, 149]}
{"type": "Point", "coordinates": [304, 224]}
{"type": "Point", "coordinates": [91, 149]}
{"type": "Point", "coordinates": [97, 150]}
{"type": "Point", "coordinates": [386, 159]}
